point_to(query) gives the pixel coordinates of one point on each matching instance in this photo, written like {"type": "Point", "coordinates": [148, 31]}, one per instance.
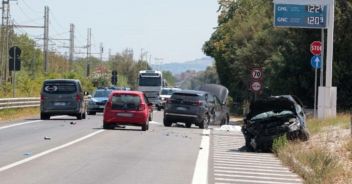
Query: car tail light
{"type": "Point", "coordinates": [78, 98]}
{"type": "Point", "coordinates": [42, 98]}
{"type": "Point", "coordinates": [141, 107]}
{"type": "Point", "coordinates": [197, 103]}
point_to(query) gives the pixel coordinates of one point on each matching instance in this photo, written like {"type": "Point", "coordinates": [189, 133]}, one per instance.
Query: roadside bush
{"type": "Point", "coordinates": [279, 143]}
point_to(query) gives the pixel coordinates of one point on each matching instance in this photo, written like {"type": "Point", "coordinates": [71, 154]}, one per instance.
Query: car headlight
{"type": "Point", "coordinates": [294, 125]}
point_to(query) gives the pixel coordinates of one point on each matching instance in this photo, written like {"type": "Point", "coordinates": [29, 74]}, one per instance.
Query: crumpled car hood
{"type": "Point", "coordinates": [276, 104]}
{"type": "Point", "coordinates": [218, 90]}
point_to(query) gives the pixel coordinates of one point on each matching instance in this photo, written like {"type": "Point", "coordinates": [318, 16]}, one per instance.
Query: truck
{"type": "Point", "coordinates": [150, 82]}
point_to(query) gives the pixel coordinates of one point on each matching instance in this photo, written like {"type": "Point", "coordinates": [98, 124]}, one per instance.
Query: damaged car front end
{"type": "Point", "coordinates": [271, 118]}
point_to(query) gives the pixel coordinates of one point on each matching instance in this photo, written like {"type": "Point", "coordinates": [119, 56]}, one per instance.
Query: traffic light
{"type": "Point", "coordinates": [114, 77]}
{"type": "Point", "coordinates": [14, 59]}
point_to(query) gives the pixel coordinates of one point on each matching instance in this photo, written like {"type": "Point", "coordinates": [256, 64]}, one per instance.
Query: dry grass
{"type": "Point", "coordinates": [316, 125]}
{"type": "Point", "coordinates": [16, 114]}
{"type": "Point", "coordinates": [326, 157]}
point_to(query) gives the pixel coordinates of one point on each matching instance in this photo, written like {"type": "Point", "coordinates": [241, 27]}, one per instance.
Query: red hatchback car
{"type": "Point", "coordinates": [127, 108]}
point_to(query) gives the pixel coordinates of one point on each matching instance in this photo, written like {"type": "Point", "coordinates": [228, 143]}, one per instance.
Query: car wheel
{"type": "Point", "coordinates": [145, 127]}
{"type": "Point", "coordinates": [249, 147]}
{"type": "Point", "coordinates": [188, 124]}
{"type": "Point", "coordinates": [79, 116]}
{"type": "Point", "coordinates": [303, 134]}
{"type": "Point", "coordinates": [205, 122]}
{"type": "Point", "coordinates": [108, 126]}
{"type": "Point", "coordinates": [91, 113]}
{"type": "Point", "coordinates": [84, 115]}
{"type": "Point", "coordinates": [167, 123]}
{"type": "Point", "coordinates": [44, 116]}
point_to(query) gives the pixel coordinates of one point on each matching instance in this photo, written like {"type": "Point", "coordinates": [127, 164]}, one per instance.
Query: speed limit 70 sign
{"type": "Point", "coordinates": [257, 73]}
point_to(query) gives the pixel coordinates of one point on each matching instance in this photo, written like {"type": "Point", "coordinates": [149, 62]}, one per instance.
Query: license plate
{"type": "Point", "coordinates": [181, 108]}
{"type": "Point", "coordinates": [122, 114]}
{"type": "Point", "coordinates": [59, 103]}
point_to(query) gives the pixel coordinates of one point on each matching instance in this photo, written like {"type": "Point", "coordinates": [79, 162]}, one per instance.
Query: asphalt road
{"type": "Point", "coordinates": [43, 152]}
{"type": "Point", "coordinates": [64, 150]}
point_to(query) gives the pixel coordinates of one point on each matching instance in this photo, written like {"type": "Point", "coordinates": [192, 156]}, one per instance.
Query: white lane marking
{"type": "Point", "coordinates": [252, 169]}
{"type": "Point", "coordinates": [200, 175]}
{"type": "Point", "coordinates": [248, 162]}
{"type": "Point", "coordinates": [243, 165]}
{"type": "Point", "coordinates": [258, 172]}
{"type": "Point", "coordinates": [49, 151]}
{"type": "Point", "coordinates": [27, 122]}
{"type": "Point", "coordinates": [18, 124]}
{"type": "Point", "coordinates": [251, 181]}
{"type": "Point", "coordinates": [259, 177]}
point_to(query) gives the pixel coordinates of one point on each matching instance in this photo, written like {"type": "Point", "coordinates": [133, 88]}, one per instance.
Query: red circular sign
{"type": "Point", "coordinates": [256, 86]}
{"type": "Point", "coordinates": [315, 48]}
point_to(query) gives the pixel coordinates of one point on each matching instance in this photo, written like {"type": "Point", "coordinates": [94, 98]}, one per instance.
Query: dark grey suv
{"type": "Point", "coordinates": [62, 97]}
{"type": "Point", "coordinates": [189, 107]}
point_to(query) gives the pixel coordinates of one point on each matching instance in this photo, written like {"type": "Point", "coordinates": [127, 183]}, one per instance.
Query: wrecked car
{"type": "Point", "coordinates": [272, 117]}
{"type": "Point", "coordinates": [219, 112]}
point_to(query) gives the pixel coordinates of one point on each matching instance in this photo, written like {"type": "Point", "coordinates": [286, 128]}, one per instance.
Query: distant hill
{"type": "Point", "coordinates": [177, 68]}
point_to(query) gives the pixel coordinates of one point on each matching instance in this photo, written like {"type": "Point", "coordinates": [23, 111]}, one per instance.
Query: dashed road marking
{"type": "Point", "coordinates": [230, 165]}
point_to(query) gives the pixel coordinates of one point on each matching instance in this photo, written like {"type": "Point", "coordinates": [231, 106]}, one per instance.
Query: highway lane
{"type": "Point", "coordinates": [160, 155]}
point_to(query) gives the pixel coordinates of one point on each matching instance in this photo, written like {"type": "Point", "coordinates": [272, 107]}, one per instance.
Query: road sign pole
{"type": "Point", "coordinates": [328, 94]}
{"type": "Point", "coordinates": [315, 92]}
{"type": "Point", "coordinates": [14, 74]}
{"type": "Point", "coordinates": [322, 57]}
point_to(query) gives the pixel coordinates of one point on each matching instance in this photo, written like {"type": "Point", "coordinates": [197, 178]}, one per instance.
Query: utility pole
{"type": "Point", "coordinates": [109, 54]}
{"type": "Point", "coordinates": [72, 45]}
{"type": "Point", "coordinates": [101, 52]}
{"type": "Point", "coordinates": [89, 50]}
{"type": "Point", "coordinates": [46, 38]}
{"type": "Point", "coordinates": [4, 40]}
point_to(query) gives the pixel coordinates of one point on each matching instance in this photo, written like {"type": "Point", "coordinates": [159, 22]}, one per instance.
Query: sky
{"type": "Point", "coordinates": [169, 30]}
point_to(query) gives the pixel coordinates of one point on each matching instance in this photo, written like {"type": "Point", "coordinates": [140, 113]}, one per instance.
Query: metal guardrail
{"type": "Point", "coordinates": [13, 103]}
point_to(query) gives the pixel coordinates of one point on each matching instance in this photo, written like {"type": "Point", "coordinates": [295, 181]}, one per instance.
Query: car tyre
{"type": "Point", "coordinates": [108, 126]}
{"type": "Point", "coordinates": [303, 134]}
{"type": "Point", "coordinates": [91, 113]}
{"type": "Point", "coordinates": [145, 127]}
{"type": "Point", "coordinates": [204, 123]}
{"type": "Point", "coordinates": [79, 116]}
{"type": "Point", "coordinates": [188, 124]}
{"type": "Point", "coordinates": [44, 116]}
{"type": "Point", "coordinates": [167, 123]}
{"type": "Point", "coordinates": [84, 116]}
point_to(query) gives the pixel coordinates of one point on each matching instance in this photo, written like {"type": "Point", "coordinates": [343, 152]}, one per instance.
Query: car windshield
{"type": "Point", "coordinates": [150, 81]}
{"type": "Point", "coordinates": [101, 93]}
{"type": "Point", "coordinates": [167, 92]}
{"type": "Point", "coordinates": [186, 97]}
{"type": "Point", "coordinates": [270, 114]}
{"type": "Point", "coordinates": [125, 102]}
{"type": "Point", "coordinates": [60, 87]}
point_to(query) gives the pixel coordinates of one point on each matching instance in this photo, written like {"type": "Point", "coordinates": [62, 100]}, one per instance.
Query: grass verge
{"type": "Point", "coordinates": [16, 114]}
{"type": "Point", "coordinates": [325, 158]}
